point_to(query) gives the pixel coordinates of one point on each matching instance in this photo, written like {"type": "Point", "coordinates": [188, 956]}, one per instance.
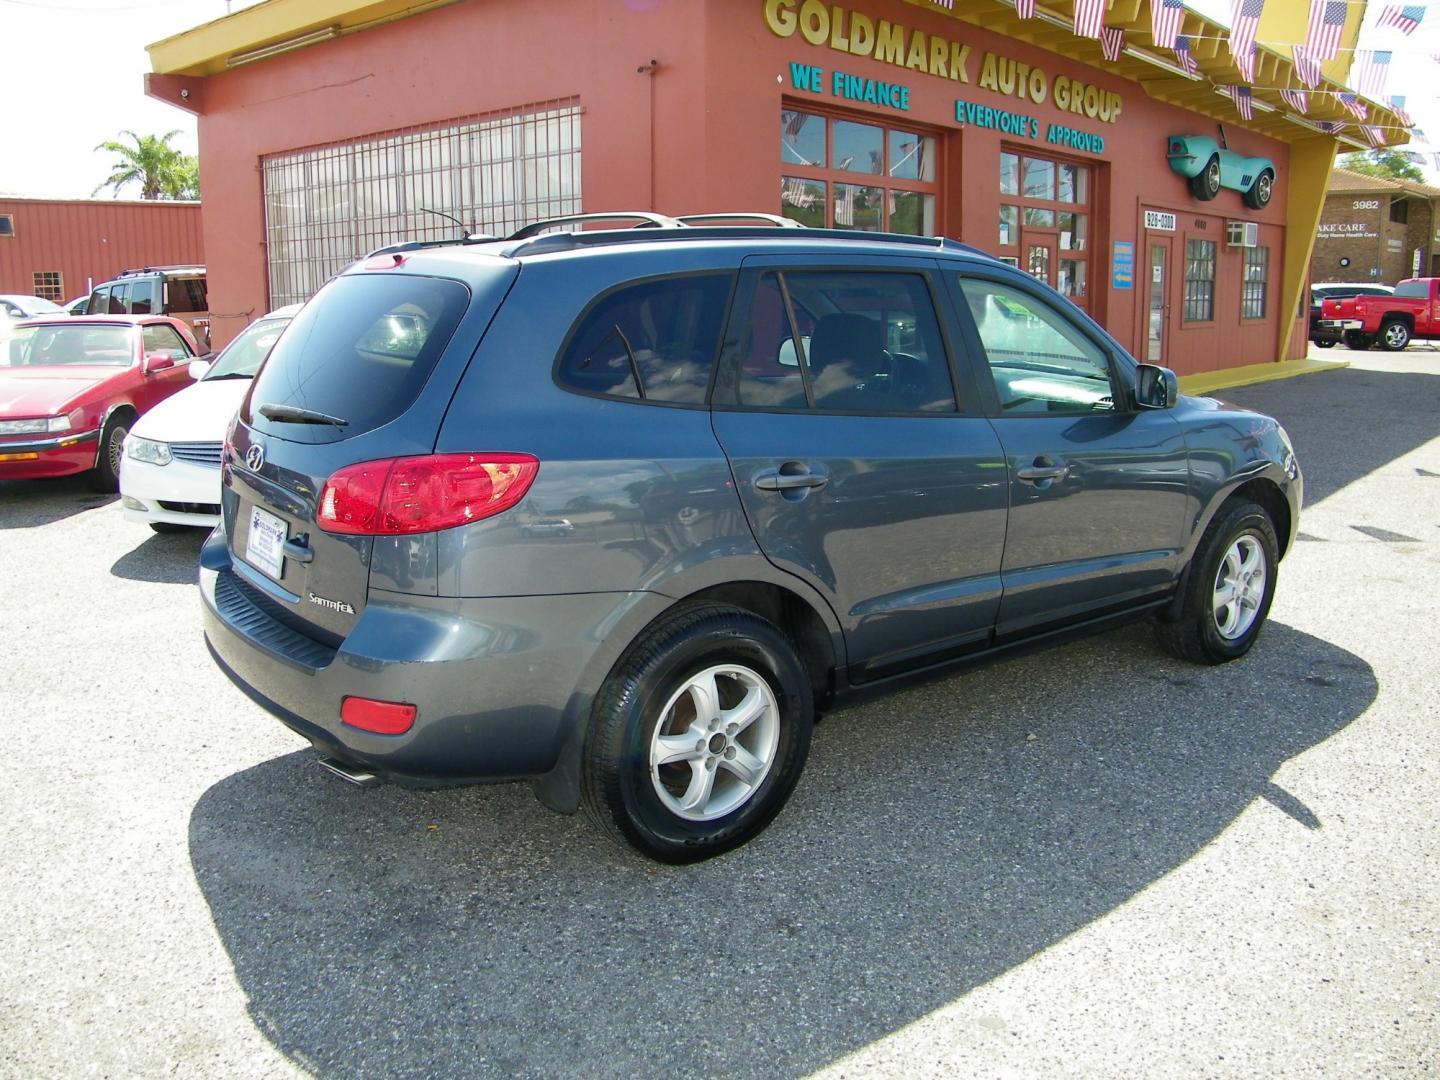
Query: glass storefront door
{"type": "Point", "coordinates": [1158, 308]}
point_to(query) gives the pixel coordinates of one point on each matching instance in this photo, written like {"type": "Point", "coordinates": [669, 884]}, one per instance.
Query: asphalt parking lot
{"type": "Point", "coordinates": [1185, 872]}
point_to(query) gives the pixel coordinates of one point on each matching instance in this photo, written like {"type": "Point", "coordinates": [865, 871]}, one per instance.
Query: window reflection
{"type": "Point", "coordinates": [859, 147]}
{"type": "Point", "coordinates": [802, 138]}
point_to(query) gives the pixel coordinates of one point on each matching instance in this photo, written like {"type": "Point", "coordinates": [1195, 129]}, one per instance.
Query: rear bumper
{"type": "Point", "coordinates": [62, 455]}
{"type": "Point", "coordinates": [493, 679]}
{"type": "Point", "coordinates": [1338, 326]}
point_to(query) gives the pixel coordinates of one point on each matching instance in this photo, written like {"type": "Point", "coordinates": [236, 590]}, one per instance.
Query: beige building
{"type": "Point", "coordinates": [1373, 229]}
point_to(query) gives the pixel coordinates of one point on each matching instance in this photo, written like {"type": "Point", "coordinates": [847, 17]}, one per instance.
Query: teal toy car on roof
{"type": "Point", "coordinates": [1209, 165]}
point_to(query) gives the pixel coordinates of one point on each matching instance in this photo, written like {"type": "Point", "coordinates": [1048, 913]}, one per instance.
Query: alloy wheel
{"type": "Point", "coordinates": [1239, 587]}
{"type": "Point", "coordinates": [715, 743]}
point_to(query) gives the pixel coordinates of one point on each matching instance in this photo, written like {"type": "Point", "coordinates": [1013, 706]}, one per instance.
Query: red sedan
{"type": "Point", "coordinates": [71, 389]}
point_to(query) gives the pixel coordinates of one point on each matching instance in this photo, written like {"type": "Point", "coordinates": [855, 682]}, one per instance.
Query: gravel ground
{"type": "Point", "coordinates": [1186, 872]}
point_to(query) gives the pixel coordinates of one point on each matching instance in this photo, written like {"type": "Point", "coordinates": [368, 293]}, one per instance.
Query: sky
{"type": "Point", "coordinates": [73, 72]}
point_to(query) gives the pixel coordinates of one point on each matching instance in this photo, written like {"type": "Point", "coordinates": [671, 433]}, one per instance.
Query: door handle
{"type": "Point", "coordinates": [777, 480]}
{"type": "Point", "coordinates": [1043, 469]}
{"type": "Point", "coordinates": [297, 550]}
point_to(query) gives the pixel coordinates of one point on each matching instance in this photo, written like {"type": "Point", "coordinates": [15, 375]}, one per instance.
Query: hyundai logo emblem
{"type": "Point", "coordinates": [254, 458]}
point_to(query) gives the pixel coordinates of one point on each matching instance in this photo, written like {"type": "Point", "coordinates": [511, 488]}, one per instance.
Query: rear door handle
{"type": "Point", "coordinates": [1043, 469]}
{"type": "Point", "coordinates": [782, 481]}
{"type": "Point", "coordinates": [296, 549]}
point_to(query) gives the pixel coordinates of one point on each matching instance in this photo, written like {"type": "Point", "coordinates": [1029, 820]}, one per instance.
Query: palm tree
{"type": "Point", "coordinates": [161, 170]}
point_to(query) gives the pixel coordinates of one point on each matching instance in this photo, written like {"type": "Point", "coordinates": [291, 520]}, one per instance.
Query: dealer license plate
{"type": "Point", "coordinates": [265, 545]}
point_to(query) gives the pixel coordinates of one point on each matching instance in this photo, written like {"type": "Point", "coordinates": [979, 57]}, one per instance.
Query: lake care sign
{"type": "Point", "coordinates": [856, 34]}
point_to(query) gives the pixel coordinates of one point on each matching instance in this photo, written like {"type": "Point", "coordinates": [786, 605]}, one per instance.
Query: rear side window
{"type": "Point", "coordinates": [185, 294]}
{"type": "Point", "coordinates": [360, 352]}
{"type": "Point", "coordinates": [655, 340]}
{"type": "Point", "coordinates": [140, 298]}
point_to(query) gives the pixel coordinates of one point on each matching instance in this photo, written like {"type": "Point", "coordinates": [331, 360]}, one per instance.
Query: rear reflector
{"type": "Point", "coordinates": [381, 717]}
{"type": "Point", "coordinates": [423, 494]}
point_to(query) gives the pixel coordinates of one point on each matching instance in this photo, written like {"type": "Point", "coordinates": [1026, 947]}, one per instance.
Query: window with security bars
{"type": "Point", "coordinates": [1199, 280]}
{"type": "Point", "coordinates": [327, 206]}
{"type": "Point", "coordinates": [1256, 283]}
{"type": "Point", "coordinates": [7, 225]}
{"type": "Point", "coordinates": [49, 285]}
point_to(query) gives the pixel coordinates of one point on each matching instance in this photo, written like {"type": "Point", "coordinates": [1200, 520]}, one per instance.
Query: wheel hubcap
{"type": "Point", "coordinates": [116, 448]}
{"type": "Point", "coordinates": [1396, 335]}
{"type": "Point", "coordinates": [1264, 189]}
{"type": "Point", "coordinates": [715, 743]}
{"type": "Point", "coordinates": [1212, 176]}
{"type": "Point", "coordinates": [1239, 587]}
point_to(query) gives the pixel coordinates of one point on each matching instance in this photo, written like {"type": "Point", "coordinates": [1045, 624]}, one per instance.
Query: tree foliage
{"type": "Point", "coordinates": [1387, 164]}
{"type": "Point", "coordinates": [150, 161]}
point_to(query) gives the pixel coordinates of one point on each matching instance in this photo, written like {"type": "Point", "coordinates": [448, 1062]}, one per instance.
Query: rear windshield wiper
{"type": "Point", "coordinates": [291, 415]}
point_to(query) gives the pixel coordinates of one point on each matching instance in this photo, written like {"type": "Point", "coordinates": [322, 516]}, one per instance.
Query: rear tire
{"type": "Point", "coordinates": [1258, 197]}
{"type": "Point", "coordinates": [698, 736]}
{"type": "Point", "coordinates": [1327, 344]}
{"type": "Point", "coordinates": [1205, 184]}
{"type": "Point", "coordinates": [106, 474]}
{"type": "Point", "coordinates": [1357, 341]}
{"type": "Point", "coordinates": [1228, 591]}
{"type": "Point", "coordinates": [1394, 335]}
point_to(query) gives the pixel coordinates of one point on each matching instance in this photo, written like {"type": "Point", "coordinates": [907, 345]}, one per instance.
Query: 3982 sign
{"type": "Point", "coordinates": [1366, 204]}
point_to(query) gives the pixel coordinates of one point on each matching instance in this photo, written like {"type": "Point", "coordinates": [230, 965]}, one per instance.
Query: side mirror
{"type": "Point", "coordinates": [1156, 387]}
{"type": "Point", "coordinates": [157, 362]}
{"type": "Point", "coordinates": [198, 368]}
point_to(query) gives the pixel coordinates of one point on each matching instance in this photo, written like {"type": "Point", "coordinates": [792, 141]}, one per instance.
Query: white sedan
{"type": "Point", "coordinates": [170, 474]}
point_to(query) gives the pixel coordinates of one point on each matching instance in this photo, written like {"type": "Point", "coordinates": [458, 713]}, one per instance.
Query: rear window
{"type": "Point", "coordinates": [360, 351]}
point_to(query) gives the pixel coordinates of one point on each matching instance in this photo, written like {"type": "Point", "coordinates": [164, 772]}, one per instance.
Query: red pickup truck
{"type": "Point", "coordinates": [1412, 311]}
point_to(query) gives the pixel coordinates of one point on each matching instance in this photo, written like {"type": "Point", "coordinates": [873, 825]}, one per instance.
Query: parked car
{"type": "Point", "coordinates": [1322, 336]}
{"type": "Point", "coordinates": [70, 389]}
{"type": "Point", "coordinates": [77, 306]}
{"type": "Point", "coordinates": [1411, 311]}
{"type": "Point", "coordinates": [170, 475]}
{"type": "Point", "coordinates": [1209, 165]}
{"type": "Point", "coordinates": [28, 307]}
{"type": "Point", "coordinates": [558, 508]}
{"type": "Point", "coordinates": [178, 291]}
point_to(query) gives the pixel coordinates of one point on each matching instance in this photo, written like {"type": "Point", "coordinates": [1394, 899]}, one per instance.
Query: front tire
{"type": "Point", "coordinates": [1258, 197]}
{"type": "Point", "coordinates": [168, 528]}
{"type": "Point", "coordinates": [1205, 184]}
{"type": "Point", "coordinates": [1228, 590]}
{"type": "Point", "coordinates": [1394, 335]}
{"type": "Point", "coordinates": [106, 474]}
{"type": "Point", "coordinates": [698, 736]}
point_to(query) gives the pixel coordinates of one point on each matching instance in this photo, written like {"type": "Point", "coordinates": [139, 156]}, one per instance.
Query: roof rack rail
{"type": "Point", "coordinates": [647, 220]}
{"type": "Point", "coordinates": [160, 269]}
{"type": "Point", "coordinates": [569, 241]}
{"type": "Point", "coordinates": [773, 219]}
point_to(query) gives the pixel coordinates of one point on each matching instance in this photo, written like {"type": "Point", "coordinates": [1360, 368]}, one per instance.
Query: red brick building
{"type": "Point", "coordinates": [330, 127]}
{"type": "Point", "coordinates": [1374, 229]}
{"type": "Point", "coordinates": [60, 248]}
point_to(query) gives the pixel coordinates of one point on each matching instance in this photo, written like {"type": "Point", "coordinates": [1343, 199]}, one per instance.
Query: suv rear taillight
{"type": "Point", "coordinates": [423, 494]}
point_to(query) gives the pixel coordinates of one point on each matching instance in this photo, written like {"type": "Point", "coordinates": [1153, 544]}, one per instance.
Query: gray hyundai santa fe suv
{"type": "Point", "coordinates": [617, 511]}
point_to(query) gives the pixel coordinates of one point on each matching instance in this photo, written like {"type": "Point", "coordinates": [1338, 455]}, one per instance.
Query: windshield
{"type": "Point", "coordinates": [52, 346]}
{"type": "Point", "coordinates": [243, 356]}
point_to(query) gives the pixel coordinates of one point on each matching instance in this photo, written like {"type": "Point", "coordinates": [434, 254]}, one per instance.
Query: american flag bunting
{"type": "Point", "coordinates": [1372, 69]}
{"type": "Point", "coordinates": [1025, 8]}
{"type": "Point", "coordinates": [948, 5]}
{"type": "Point", "coordinates": [1246, 63]}
{"type": "Point", "coordinates": [1297, 100]}
{"type": "Point", "coordinates": [1306, 67]}
{"type": "Point", "coordinates": [1165, 19]}
{"type": "Point", "coordinates": [1374, 135]}
{"type": "Point", "coordinates": [1185, 56]}
{"type": "Point", "coordinates": [1331, 127]}
{"type": "Point", "coordinates": [1089, 18]}
{"type": "Point", "coordinates": [1404, 18]}
{"type": "Point", "coordinates": [1353, 105]}
{"type": "Point", "coordinates": [1397, 106]}
{"type": "Point", "coordinates": [1327, 22]}
{"type": "Point", "coordinates": [1436, 158]}
{"type": "Point", "coordinates": [1245, 17]}
{"type": "Point", "coordinates": [1243, 101]}
{"type": "Point", "coordinates": [1112, 42]}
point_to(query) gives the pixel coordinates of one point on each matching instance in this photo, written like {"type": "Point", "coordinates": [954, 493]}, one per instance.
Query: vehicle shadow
{"type": "Point", "coordinates": [164, 558]}
{"type": "Point", "coordinates": [1348, 419]}
{"type": "Point", "coordinates": [26, 504]}
{"type": "Point", "coordinates": [930, 847]}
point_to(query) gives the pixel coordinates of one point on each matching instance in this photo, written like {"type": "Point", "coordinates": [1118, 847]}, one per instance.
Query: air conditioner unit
{"type": "Point", "coordinates": [1242, 233]}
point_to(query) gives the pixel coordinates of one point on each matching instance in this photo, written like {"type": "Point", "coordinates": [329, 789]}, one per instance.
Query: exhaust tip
{"type": "Point", "coordinates": [351, 774]}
